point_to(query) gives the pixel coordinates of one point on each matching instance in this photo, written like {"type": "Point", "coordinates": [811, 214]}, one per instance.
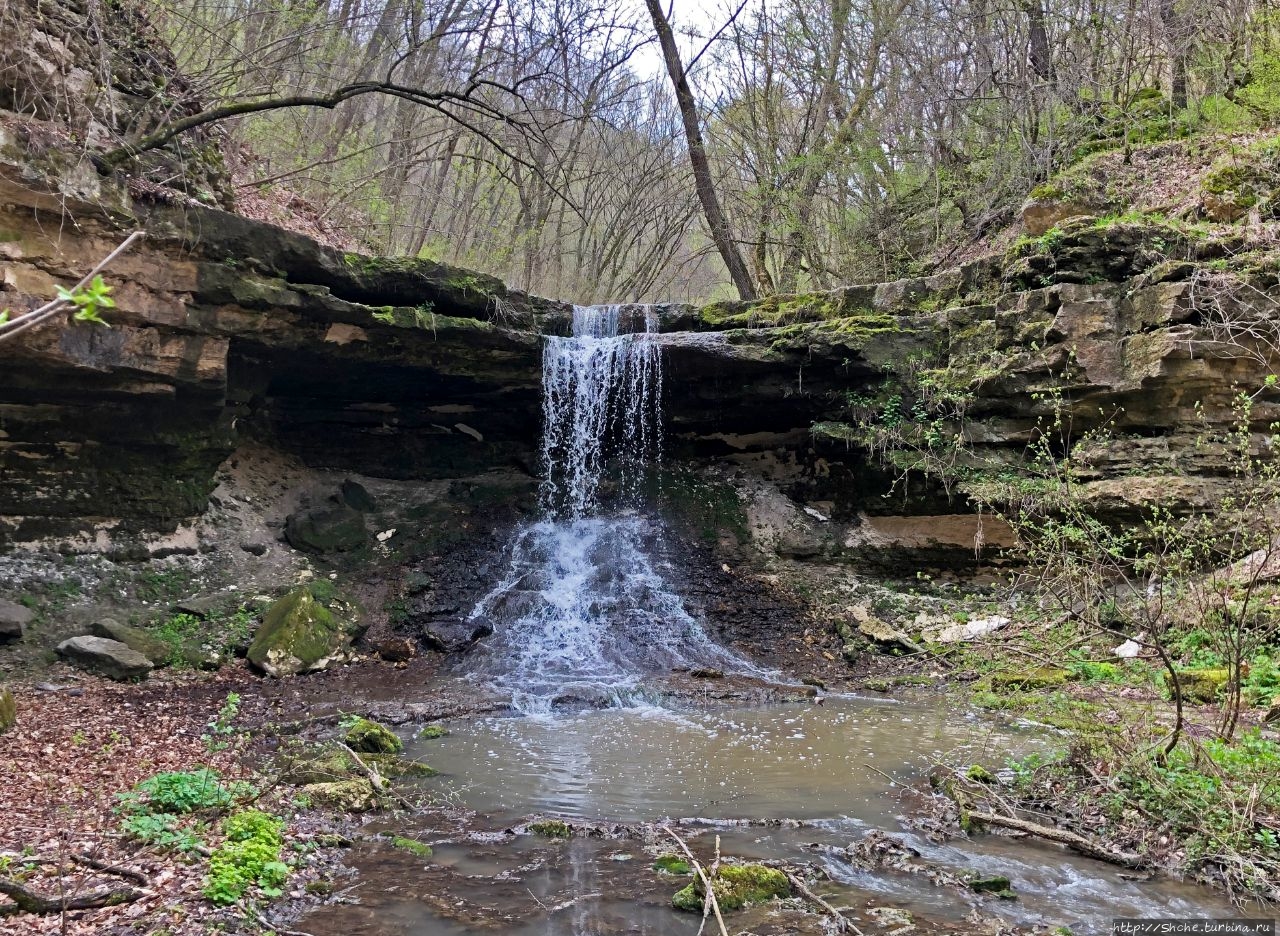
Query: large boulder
{"type": "Point", "coordinates": [149, 645]}
{"type": "Point", "coordinates": [300, 634]}
{"type": "Point", "coordinates": [331, 528]}
{"type": "Point", "coordinates": [14, 619]}
{"type": "Point", "coordinates": [106, 657]}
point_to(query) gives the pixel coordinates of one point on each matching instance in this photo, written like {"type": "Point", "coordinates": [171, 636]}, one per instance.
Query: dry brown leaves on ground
{"type": "Point", "coordinates": [61, 767]}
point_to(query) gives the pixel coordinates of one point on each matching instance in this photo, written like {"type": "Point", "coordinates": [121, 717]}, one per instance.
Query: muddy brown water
{"type": "Point", "coordinates": [817, 777]}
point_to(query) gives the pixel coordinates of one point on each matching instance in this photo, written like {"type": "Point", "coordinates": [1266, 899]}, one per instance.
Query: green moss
{"type": "Point", "coordinates": [550, 828]}
{"type": "Point", "coordinates": [366, 736]}
{"type": "Point", "coordinates": [8, 710]}
{"type": "Point", "coordinates": [1199, 685]}
{"type": "Point", "coordinates": [353, 795]}
{"type": "Point", "coordinates": [1040, 677]}
{"type": "Point", "coordinates": [773, 311]}
{"type": "Point", "coordinates": [979, 774]}
{"type": "Point", "coordinates": [412, 846]}
{"type": "Point", "coordinates": [990, 884]}
{"type": "Point", "coordinates": [299, 633]}
{"type": "Point", "coordinates": [431, 732]}
{"type": "Point", "coordinates": [735, 887]}
{"type": "Point", "coordinates": [672, 864]}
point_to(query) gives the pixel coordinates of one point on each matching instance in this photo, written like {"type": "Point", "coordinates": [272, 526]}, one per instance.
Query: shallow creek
{"type": "Point", "coordinates": [794, 782]}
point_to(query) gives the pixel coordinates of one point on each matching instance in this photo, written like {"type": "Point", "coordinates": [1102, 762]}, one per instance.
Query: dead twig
{"type": "Point", "coordinates": [1061, 836]}
{"type": "Point", "coordinates": [842, 922]}
{"type": "Point", "coordinates": [379, 782]}
{"type": "Point", "coordinates": [710, 899]}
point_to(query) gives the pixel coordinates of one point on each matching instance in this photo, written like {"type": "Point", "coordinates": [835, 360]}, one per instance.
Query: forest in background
{"type": "Point", "coordinates": [847, 140]}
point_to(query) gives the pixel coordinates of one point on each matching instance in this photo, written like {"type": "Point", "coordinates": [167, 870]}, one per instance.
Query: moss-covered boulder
{"type": "Point", "coordinates": [1199, 685]}
{"type": "Point", "coordinates": [300, 634]}
{"type": "Point", "coordinates": [735, 887]}
{"type": "Point", "coordinates": [672, 864]}
{"type": "Point", "coordinates": [368, 737]}
{"type": "Point", "coordinates": [8, 710]}
{"type": "Point", "coordinates": [354, 795]}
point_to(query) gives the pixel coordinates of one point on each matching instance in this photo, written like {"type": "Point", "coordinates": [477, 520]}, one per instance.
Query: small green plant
{"type": "Point", "coordinates": [220, 727]}
{"type": "Point", "coordinates": [179, 792]}
{"type": "Point", "coordinates": [412, 846]}
{"type": "Point", "coordinates": [161, 829]}
{"type": "Point", "coordinates": [89, 300]}
{"type": "Point", "coordinates": [250, 856]}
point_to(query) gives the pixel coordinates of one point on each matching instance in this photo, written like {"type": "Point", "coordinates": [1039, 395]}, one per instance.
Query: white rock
{"type": "Point", "coordinates": [972, 630]}
{"type": "Point", "coordinates": [1128, 650]}
{"type": "Point", "coordinates": [816, 514]}
{"type": "Point", "coordinates": [386, 535]}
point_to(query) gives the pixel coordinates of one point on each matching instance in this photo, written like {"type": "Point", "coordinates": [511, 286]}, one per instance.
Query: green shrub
{"type": "Point", "coordinates": [161, 829]}
{"type": "Point", "coordinates": [250, 856]}
{"type": "Point", "coordinates": [178, 792]}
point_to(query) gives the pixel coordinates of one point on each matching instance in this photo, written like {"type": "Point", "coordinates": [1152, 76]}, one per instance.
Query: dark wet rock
{"type": "Point", "coordinates": [8, 710]}
{"type": "Point", "coordinates": [395, 649]}
{"type": "Point", "coordinates": [14, 619]}
{"type": "Point", "coordinates": [454, 636]}
{"type": "Point", "coordinates": [701, 673]}
{"type": "Point", "coordinates": [106, 657]}
{"type": "Point", "coordinates": [256, 544]}
{"type": "Point", "coordinates": [327, 529]}
{"type": "Point", "coordinates": [996, 884]}
{"type": "Point", "coordinates": [150, 646]}
{"type": "Point", "coordinates": [356, 496]}
{"type": "Point", "coordinates": [366, 736]}
{"type": "Point", "coordinates": [300, 633]}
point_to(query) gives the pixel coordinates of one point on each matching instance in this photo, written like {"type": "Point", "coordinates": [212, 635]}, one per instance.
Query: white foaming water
{"type": "Point", "coordinates": [584, 612]}
{"type": "Point", "coordinates": [601, 401]}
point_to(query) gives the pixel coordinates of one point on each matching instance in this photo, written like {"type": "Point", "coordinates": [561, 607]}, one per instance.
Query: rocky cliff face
{"type": "Point", "coordinates": [229, 329]}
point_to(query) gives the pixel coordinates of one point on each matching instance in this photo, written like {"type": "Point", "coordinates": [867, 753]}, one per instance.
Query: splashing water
{"type": "Point", "coordinates": [584, 611]}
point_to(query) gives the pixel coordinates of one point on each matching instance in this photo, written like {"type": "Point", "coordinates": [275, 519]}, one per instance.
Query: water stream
{"type": "Point", "coordinates": [586, 612]}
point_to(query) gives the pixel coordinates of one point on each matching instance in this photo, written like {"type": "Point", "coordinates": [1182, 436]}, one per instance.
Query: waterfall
{"type": "Point", "coordinates": [601, 398]}
{"type": "Point", "coordinates": [585, 611]}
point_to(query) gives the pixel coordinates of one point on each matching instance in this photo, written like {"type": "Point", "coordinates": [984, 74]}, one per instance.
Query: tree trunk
{"type": "Point", "coordinates": [702, 180]}
{"type": "Point", "coordinates": [1173, 30]}
{"type": "Point", "coordinates": [1040, 56]}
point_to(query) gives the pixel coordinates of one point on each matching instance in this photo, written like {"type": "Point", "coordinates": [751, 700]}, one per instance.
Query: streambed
{"type": "Point", "coordinates": [791, 782]}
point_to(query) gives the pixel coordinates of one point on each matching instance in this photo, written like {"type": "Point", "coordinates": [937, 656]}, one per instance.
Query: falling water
{"type": "Point", "coordinates": [585, 611]}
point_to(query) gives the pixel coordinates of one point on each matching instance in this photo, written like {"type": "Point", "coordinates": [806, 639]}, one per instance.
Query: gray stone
{"type": "Point", "coordinates": [14, 619]}
{"type": "Point", "coordinates": [332, 528]}
{"type": "Point", "coordinates": [109, 658]}
{"type": "Point", "coordinates": [150, 646]}
{"type": "Point", "coordinates": [356, 496]}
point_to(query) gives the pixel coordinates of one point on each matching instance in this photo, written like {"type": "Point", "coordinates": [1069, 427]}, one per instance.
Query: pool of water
{"type": "Point", "coordinates": [829, 773]}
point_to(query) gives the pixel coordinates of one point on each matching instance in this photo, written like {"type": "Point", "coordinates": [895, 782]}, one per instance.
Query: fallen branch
{"type": "Point", "coordinates": [706, 882]}
{"type": "Point", "coordinates": [29, 901]}
{"type": "Point", "coordinates": [842, 922]}
{"type": "Point", "coordinates": [1061, 836]}
{"type": "Point", "coordinates": [379, 782]}
{"type": "Point", "coordinates": [107, 867]}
